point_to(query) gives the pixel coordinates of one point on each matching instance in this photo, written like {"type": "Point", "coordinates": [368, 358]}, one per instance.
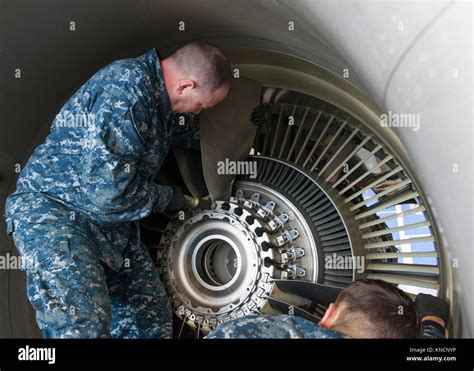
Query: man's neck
{"type": "Point", "coordinates": [169, 77]}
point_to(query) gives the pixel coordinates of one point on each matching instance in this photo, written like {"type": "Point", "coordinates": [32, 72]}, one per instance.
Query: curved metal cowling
{"type": "Point", "coordinates": [227, 134]}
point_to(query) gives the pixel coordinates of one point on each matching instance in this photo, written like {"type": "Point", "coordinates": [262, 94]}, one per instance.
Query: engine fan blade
{"type": "Point", "coordinates": [190, 166]}
{"type": "Point", "coordinates": [227, 134]}
{"type": "Point", "coordinates": [287, 308]}
{"type": "Point", "coordinates": [317, 293]}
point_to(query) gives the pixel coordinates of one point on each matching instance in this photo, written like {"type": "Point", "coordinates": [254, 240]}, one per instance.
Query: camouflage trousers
{"type": "Point", "coordinates": [75, 295]}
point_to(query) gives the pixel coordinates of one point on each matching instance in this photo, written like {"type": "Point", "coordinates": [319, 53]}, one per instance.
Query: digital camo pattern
{"type": "Point", "coordinates": [271, 327]}
{"type": "Point", "coordinates": [86, 186]}
{"type": "Point", "coordinates": [75, 295]}
{"type": "Point", "coordinates": [432, 331]}
{"type": "Point", "coordinates": [288, 327]}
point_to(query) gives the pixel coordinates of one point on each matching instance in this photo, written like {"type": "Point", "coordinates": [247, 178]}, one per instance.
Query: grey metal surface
{"type": "Point", "coordinates": [315, 292]}
{"type": "Point", "coordinates": [190, 166]}
{"type": "Point", "coordinates": [288, 308]}
{"type": "Point", "coordinates": [227, 134]}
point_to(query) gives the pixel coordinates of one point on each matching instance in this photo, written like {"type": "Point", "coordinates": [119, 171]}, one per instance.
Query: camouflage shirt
{"type": "Point", "coordinates": [104, 149]}
{"type": "Point", "coordinates": [271, 327]}
{"type": "Point", "coordinates": [291, 327]}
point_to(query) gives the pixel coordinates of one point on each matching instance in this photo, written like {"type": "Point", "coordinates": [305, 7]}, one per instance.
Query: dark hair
{"type": "Point", "coordinates": [205, 64]}
{"type": "Point", "coordinates": [376, 309]}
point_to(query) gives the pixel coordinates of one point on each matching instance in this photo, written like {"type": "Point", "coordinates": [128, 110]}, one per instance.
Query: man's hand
{"type": "Point", "coordinates": [178, 202]}
{"type": "Point", "coordinates": [430, 306]}
{"type": "Point", "coordinates": [196, 202]}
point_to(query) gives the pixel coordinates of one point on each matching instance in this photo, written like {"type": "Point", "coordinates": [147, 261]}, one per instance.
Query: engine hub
{"type": "Point", "coordinates": [218, 264]}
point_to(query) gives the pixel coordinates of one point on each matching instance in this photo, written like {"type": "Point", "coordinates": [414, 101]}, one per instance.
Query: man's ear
{"type": "Point", "coordinates": [329, 317]}
{"type": "Point", "coordinates": [184, 84]}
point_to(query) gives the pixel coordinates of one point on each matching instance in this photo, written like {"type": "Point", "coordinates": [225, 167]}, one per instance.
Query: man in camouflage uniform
{"type": "Point", "coordinates": [79, 197]}
{"type": "Point", "coordinates": [272, 327]}
{"type": "Point", "coordinates": [364, 309]}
